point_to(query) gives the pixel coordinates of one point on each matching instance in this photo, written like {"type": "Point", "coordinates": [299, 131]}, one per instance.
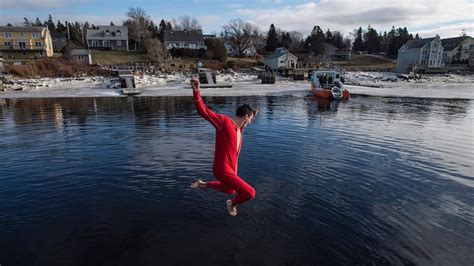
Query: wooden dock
{"type": "Point", "coordinates": [222, 85]}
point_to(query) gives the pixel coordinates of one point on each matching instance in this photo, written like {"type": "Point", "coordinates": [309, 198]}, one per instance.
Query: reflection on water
{"type": "Point", "coordinates": [105, 181]}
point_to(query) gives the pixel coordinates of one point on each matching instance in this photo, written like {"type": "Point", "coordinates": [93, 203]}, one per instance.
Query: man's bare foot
{"type": "Point", "coordinates": [198, 184]}
{"type": "Point", "coordinates": [231, 208]}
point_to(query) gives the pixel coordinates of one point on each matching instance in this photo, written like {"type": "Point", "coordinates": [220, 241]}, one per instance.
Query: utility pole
{"type": "Point", "coordinates": [68, 35]}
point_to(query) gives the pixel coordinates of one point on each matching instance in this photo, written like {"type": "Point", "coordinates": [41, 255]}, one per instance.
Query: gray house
{"type": "Point", "coordinates": [108, 38]}
{"type": "Point", "coordinates": [190, 39]}
{"type": "Point", "coordinates": [423, 54]}
{"type": "Point", "coordinates": [82, 55]}
{"type": "Point", "coordinates": [60, 40]}
{"type": "Point", "coordinates": [459, 48]}
{"type": "Point", "coordinates": [281, 59]}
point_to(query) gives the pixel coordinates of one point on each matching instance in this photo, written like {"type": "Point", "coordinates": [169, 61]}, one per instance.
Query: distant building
{"type": "Point", "coordinates": [281, 59]}
{"type": "Point", "coordinates": [333, 53]}
{"type": "Point", "coordinates": [25, 42]}
{"type": "Point", "coordinates": [81, 55]}
{"type": "Point", "coordinates": [208, 36]}
{"type": "Point", "coordinates": [108, 38]}
{"type": "Point", "coordinates": [459, 48]}
{"type": "Point", "coordinates": [190, 39]}
{"type": "Point", "coordinates": [233, 51]}
{"type": "Point", "coordinates": [421, 53]}
{"type": "Point", "coordinates": [60, 40]}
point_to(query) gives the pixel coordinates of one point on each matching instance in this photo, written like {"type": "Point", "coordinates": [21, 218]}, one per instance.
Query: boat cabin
{"type": "Point", "coordinates": [325, 78]}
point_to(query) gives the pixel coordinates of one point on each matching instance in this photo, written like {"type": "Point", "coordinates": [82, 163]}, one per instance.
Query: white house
{"type": "Point", "coordinates": [423, 53]}
{"type": "Point", "coordinates": [462, 47]}
{"type": "Point", "coordinates": [190, 39]}
{"type": "Point", "coordinates": [281, 59]}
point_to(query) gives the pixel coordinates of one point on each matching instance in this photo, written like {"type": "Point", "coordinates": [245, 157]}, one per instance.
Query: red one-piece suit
{"type": "Point", "coordinates": [226, 154]}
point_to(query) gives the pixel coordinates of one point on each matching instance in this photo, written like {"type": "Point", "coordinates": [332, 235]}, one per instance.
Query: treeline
{"type": "Point", "coordinates": [369, 41]}
{"type": "Point", "coordinates": [314, 43]}
{"type": "Point", "coordinates": [145, 34]}
{"type": "Point", "coordinates": [388, 43]}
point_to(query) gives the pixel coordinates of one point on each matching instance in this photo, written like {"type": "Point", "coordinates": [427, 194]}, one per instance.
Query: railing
{"type": "Point", "coordinates": [21, 47]}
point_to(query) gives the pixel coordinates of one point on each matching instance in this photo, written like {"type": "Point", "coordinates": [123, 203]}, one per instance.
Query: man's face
{"type": "Point", "coordinates": [248, 120]}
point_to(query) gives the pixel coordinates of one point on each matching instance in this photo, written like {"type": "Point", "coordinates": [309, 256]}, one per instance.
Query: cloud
{"type": "Point", "coordinates": [43, 4]}
{"type": "Point", "coordinates": [346, 16]}
{"type": "Point", "coordinates": [208, 23]}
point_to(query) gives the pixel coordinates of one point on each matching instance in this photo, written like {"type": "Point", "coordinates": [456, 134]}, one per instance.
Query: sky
{"type": "Point", "coordinates": [425, 17]}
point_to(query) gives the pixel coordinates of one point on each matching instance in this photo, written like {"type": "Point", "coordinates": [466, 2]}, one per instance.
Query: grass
{"type": "Point", "coordinates": [366, 63]}
{"type": "Point", "coordinates": [118, 57]}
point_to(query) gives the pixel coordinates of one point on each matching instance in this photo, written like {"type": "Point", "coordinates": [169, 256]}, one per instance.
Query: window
{"type": "Point", "coordinates": [22, 34]}
{"type": "Point", "coordinates": [107, 33]}
{"type": "Point", "coordinates": [35, 35]}
{"type": "Point", "coordinates": [7, 43]}
{"type": "Point", "coordinates": [22, 45]}
{"type": "Point", "coordinates": [8, 35]}
{"type": "Point", "coordinates": [119, 43]}
{"type": "Point", "coordinates": [118, 33]}
{"type": "Point", "coordinates": [38, 44]}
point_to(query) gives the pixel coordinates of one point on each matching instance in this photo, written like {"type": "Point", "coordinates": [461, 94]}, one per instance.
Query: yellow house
{"type": "Point", "coordinates": [25, 42]}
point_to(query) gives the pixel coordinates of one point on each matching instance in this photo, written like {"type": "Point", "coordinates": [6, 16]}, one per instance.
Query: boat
{"type": "Point", "coordinates": [327, 84]}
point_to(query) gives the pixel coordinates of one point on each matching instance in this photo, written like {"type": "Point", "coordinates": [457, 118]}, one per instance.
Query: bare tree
{"type": "Point", "coordinates": [241, 34]}
{"type": "Point", "coordinates": [186, 23]}
{"type": "Point", "coordinates": [296, 40]}
{"type": "Point", "coordinates": [137, 22]}
{"type": "Point", "coordinates": [156, 50]}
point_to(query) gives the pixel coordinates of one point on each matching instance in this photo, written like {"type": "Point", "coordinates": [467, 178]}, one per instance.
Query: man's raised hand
{"type": "Point", "coordinates": [195, 84]}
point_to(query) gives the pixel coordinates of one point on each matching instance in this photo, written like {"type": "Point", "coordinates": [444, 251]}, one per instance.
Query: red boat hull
{"type": "Point", "coordinates": [326, 93]}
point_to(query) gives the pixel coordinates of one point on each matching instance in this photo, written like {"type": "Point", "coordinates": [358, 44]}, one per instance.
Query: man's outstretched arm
{"type": "Point", "coordinates": [215, 119]}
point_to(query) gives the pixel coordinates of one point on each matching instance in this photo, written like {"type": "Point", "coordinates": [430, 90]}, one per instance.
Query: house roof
{"type": "Point", "coordinates": [183, 36]}
{"type": "Point", "coordinates": [21, 29]}
{"type": "Point", "coordinates": [451, 43]}
{"type": "Point", "coordinates": [80, 52]}
{"type": "Point", "coordinates": [279, 54]}
{"type": "Point", "coordinates": [99, 34]}
{"type": "Point", "coordinates": [418, 43]}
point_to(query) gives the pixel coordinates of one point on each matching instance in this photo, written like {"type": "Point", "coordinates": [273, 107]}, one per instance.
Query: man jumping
{"type": "Point", "coordinates": [227, 148]}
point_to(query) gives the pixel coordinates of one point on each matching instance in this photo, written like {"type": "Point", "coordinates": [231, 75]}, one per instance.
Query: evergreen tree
{"type": "Point", "coordinates": [38, 23]}
{"type": "Point", "coordinates": [161, 29]}
{"type": "Point", "coordinates": [358, 42]}
{"type": "Point", "coordinates": [272, 39]}
{"type": "Point", "coordinates": [315, 41]}
{"type": "Point", "coordinates": [26, 22]}
{"type": "Point", "coordinates": [285, 40]}
{"type": "Point", "coordinates": [337, 39]}
{"type": "Point", "coordinates": [372, 40]}
{"type": "Point", "coordinates": [417, 37]}
{"type": "Point", "coordinates": [154, 31]}
{"type": "Point", "coordinates": [50, 24]}
{"type": "Point", "coordinates": [60, 27]}
{"type": "Point", "coordinates": [329, 37]}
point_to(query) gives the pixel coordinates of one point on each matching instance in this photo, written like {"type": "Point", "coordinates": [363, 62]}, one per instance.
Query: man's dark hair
{"type": "Point", "coordinates": [244, 110]}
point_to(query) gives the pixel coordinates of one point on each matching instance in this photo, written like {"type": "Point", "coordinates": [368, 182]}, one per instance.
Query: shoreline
{"type": "Point", "coordinates": [379, 84]}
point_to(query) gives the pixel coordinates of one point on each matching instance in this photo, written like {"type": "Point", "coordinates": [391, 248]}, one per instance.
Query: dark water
{"type": "Point", "coordinates": [374, 181]}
